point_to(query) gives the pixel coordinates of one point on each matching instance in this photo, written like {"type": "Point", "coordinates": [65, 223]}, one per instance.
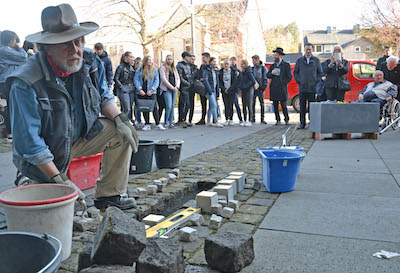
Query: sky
{"type": "Point", "coordinates": [23, 16]}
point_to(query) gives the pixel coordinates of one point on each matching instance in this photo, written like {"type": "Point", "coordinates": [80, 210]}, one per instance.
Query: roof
{"type": "Point", "coordinates": [321, 37]}
{"type": "Point", "coordinates": [290, 57]}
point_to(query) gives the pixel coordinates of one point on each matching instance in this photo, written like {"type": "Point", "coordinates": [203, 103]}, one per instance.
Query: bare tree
{"type": "Point", "coordinates": [381, 23]}
{"type": "Point", "coordinates": [132, 18]}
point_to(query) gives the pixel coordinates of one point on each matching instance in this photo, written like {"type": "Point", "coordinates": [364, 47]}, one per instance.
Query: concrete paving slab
{"type": "Point", "coordinates": [287, 252]}
{"type": "Point", "coordinates": [344, 148]}
{"type": "Point", "coordinates": [393, 165]}
{"type": "Point", "coordinates": [366, 184]}
{"type": "Point", "coordinates": [360, 165]}
{"type": "Point", "coordinates": [342, 215]}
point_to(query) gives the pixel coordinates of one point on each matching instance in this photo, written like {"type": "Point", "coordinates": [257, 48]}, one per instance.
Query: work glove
{"type": "Point", "coordinates": [63, 179]}
{"type": "Point", "coordinates": [126, 131]}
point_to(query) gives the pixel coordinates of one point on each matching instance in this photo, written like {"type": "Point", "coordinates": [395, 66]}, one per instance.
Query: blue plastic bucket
{"type": "Point", "coordinates": [286, 148]}
{"type": "Point", "coordinates": [280, 169]}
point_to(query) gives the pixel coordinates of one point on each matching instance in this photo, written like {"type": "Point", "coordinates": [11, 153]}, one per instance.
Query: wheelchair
{"type": "Point", "coordinates": [390, 115]}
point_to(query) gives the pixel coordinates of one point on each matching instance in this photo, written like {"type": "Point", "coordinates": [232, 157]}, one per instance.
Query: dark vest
{"type": "Point", "coordinates": [55, 103]}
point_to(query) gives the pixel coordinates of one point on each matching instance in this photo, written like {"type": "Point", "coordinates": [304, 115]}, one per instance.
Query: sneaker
{"type": "Point", "coordinates": [218, 125]}
{"type": "Point", "coordinates": [209, 124]}
{"type": "Point", "coordinates": [242, 123]}
{"type": "Point", "coordinates": [230, 123]}
{"type": "Point", "coordinates": [226, 123]}
{"type": "Point", "coordinates": [160, 127]}
{"type": "Point", "coordinates": [190, 124]}
{"type": "Point", "coordinates": [116, 201]}
{"type": "Point", "coordinates": [171, 125]}
{"type": "Point", "coordinates": [263, 122]}
{"type": "Point", "coordinates": [147, 127]}
{"type": "Point", "coordinates": [248, 124]}
{"type": "Point", "coordinates": [166, 125]}
{"type": "Point", "coordinates": [287, 122]}
{"type": "Point", "coordinates": [9, 140]}
{"type": "Point", "coordinates": [201, 122]}
{"type": "Point", "coordinates": [278, 123]}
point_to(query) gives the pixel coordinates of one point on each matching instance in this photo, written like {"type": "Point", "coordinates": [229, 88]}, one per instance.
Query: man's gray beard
{"type": "Point", "coordinates": [68, 68]}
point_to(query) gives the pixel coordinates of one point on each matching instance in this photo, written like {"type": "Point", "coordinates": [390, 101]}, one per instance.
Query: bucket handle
{"type": "Point", "coordinates": [47, 237]}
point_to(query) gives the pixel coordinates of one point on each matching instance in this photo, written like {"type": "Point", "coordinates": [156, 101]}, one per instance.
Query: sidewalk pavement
{"type": "Point", "coordinates": [344, 209]}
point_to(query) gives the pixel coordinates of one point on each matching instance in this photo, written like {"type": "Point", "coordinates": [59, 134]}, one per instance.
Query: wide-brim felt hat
{"type": "Point", "coordinates": [60, 25]}
{"type": "Point", "coordinates": [279, 50]}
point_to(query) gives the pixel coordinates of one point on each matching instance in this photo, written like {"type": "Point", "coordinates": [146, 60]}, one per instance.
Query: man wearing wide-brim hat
{"type": "Point", "coordinates": [56, 98]}
{"type": "Point", "coordinates": [280, 75]}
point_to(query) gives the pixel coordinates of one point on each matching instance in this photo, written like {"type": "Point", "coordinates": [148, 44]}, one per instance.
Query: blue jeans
{"type": "Point", "coordinates": [237, 106]}
{"type": "Point", "coordinates": [370, 96]}
{"type": "Point", "coordinates": [170, 99]}
{"type": "Point", "coordinates": [126, 99]}
{"type": "Point", "coordinates": [212, 107]}
{"type": "Point", "coordinates": [136, 112]}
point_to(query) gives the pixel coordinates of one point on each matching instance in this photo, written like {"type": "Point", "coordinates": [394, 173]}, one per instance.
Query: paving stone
{"type": "Point", "coordinates": [234, 204]}
{"type": "Point", "coordinates": [152, 219]}
{"type": "Point", "coordinates": [142, 192]}
{"type": "Point", "coordinates": [109, 269]}
{"type": "Point", "coordinates": [188, 234]}
{"type": "Point", "coordinates": [133, 192]}
{"type": "Point", "coordinates": [224, 190]}
{"type": "Point", "coordinates": [237, 227]}
{"type": "Point", "coordinates": [247, 192]}
{"type": "Point", "coordinates": [256, 185]}
{"type": "Point", "coordinates": [216, 209]}
{"type": "Point", "coordinates": [159, 184]}
{"type": "Point", "coordinates": [151, 189]}
{"type": "Point", "coordinates": [215, 222]}
{"type": "Point", "coordinates": [85, 224]}
{"type": "Point", "coordinates": [253, 209]}
{"type": "Point", "coordinates": [172, 177]}
{"type": "Point", "coordinates": [161, 256]}
{"type": "Point", "coordinates": [267, 195]}
{"type": "Point", "coordinates": [119, 239]}
{"type": "Point", "coordinates": [227, 212]}
{"type": "Point", "coordinates": [164, 180]}
{"type": "Point", "coordinates": [203, 231]}
{"type": "Point", "coordinates": [242, 197]}
{"type": "Point", "coordinates": [205, 200]}
{"type": "Point", "coordinates": [197, 219]}
{"type": "Point", "coordinates": [229, 251]}
{"type": "Point", "coordinates": [247, 218]}
{"type": "Point", "coordinates": [260, 202]}
{"type": "Point", "coordinates": [190, 203]}
{"type": "Point", "coordinates": [223, 203]}
{"type": "Point", "coordinates": [176, 172]}
{"type": "Point", "coordinates": [84, 260]}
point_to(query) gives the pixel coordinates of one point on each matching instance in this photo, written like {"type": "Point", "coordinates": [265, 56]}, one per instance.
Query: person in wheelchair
{"type": "Point", "coordinates": [380, 90]}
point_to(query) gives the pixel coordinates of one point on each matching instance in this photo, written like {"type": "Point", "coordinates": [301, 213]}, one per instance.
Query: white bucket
{"type": "Point", "coordinates": [42, 208]}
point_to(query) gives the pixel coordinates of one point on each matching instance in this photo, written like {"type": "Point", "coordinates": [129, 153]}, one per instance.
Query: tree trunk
{"type": "Point", "coordinates": [143, 28]}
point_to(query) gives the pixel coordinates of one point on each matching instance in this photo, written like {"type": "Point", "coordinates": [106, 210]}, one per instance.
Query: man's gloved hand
{"type": "Point", "coordinates": [63, 179]}
{"type": "Point", "coordinates": [126, 131]}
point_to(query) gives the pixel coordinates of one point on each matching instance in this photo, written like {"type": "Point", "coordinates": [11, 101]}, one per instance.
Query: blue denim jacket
{"type": "Point", "coordinates": [27, 114]}
{"type": "Point", "coordinates": [152, 83]}
{"type": "Point", "coordinates": [10, 59]}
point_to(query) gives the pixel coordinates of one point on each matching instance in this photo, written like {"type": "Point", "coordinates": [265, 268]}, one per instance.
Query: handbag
{"type": "Point", "coordinates": [145, 105]}
{"type": "Point", "coordinates": [199, 88]}
{"type": "Point", "coordinates": [344, 84]}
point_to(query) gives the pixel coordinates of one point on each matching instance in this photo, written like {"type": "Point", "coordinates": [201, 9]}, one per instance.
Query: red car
{"type": "Point", "coordinates": [360, 74]}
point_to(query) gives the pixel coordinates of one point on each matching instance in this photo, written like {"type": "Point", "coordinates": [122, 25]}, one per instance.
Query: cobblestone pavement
{"type": "Point", "coordinates": [202, 172]}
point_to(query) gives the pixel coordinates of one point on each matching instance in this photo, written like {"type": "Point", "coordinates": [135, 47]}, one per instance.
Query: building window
{"type": "Point", "coordinates": [328, 48]}
{"type": "Point", "coordinates": [357, 49]}
{"type": "Point", "coordinates": [223, 34]}
{"type": "Point", "coordinates": [367, 49]}
{"type": "Point", "coordinates": [318, 49]}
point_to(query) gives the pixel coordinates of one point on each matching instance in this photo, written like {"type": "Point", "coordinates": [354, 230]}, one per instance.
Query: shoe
{"type": "Point", "coordinates": [226, 123]}
{"type": "Point", "coordinates": [263, 122]}
{"type": "Point", "coordinates": [278, 123]}
{"type": "Point", "coordinates": [253, 120]}
{"type": "Point", "coordinates": [9, 140]}
{"type": "Point", "coordinates": [116, 201]}
{"type": "Point", "coordinates": [201, 122]}
{"type": "Point", "coordinates": [230, 123]}
{"type": "Point", "coordinates": [189, 124]}
{"type": "Point", "coordinates": [302, 126]}
{"type": "Point", "coordinates": [248, 124]}
{"type": "Point", "coordinates": [242, 123]}
{"type": "Point", "coordinates": [287, 122]}
{"type": "Point", "coordinates": [218, 125]}
{"type": "Point", "coordinates": [147, 127]}
{"type": "Point", "coordinates": [171, 125]}
{"type": "Point", "coordinates": [160, 127]}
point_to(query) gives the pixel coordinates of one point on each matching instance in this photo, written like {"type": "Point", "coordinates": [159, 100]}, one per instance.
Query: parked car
{"type": "Point", "coordinates": [360, 74]}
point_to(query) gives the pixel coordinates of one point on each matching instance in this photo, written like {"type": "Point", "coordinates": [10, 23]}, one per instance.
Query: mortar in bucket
{"type": "Point", "coordinates": [23, 252]}
{"type": "Point", "coordinates": [42, 208]}
{"type": "Point", "coordinates": [280, 169]}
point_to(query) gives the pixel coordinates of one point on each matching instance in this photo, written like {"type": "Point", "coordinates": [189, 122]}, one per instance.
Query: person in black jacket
{"type": "Point", "coordinates": [228, 82]}
{"type": "Point", "coordinates": [307, 73]}
{"type": "Point", "coordinates": [192, 94]}
{"type": "Point", "coordinates": [335, 71]}
{"type": "Point", "coordinates": [260, 74]}
{"type": "Point", "coordinates": [247, 82]}
{"type": "Point", "coordinates": [99, 49]}
{"type": "Point", "coordinates": [391, 71]}
{"type": "Point", "coordinates": [205, 58]}
{"type": "Point", "coordinates": [387, 51]}
{"type": "Point", "coordinates": [280, 75]}
{"type": "Point", "coordinates": [124, 87]}
{"type": "Point", "coordinates": [237, 106]}
{"type": "Point", "coordinates": [185, 74]}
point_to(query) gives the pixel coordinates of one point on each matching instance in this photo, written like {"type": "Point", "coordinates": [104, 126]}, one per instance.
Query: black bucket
{"type": "Point", "coordinates": [142, 161]}
{"type": "Point", "coordinates": [23, 252]}
{"type": "Point", "coordinates": [168, 153]}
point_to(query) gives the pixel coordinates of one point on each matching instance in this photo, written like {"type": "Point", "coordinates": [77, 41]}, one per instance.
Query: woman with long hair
{"type": "Point", "coordinates": [11, 57]}
{"type": "Point", "coordinates": [138, 115]}
{"type": "Point", "coordinates": [211, 84]}
{"type": "Point", "coordinates": [228, 81]}
{"type": "Point", "coordinates": [170, 83]}
{"type": "Point", "coordinates": [123, 87]}
{"type": "Point", "coordinates": [246, 85]}
{"type": "Point", "coordinates": [335, 70]}
{"type": "Point", "coordinates": [146, 82]}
